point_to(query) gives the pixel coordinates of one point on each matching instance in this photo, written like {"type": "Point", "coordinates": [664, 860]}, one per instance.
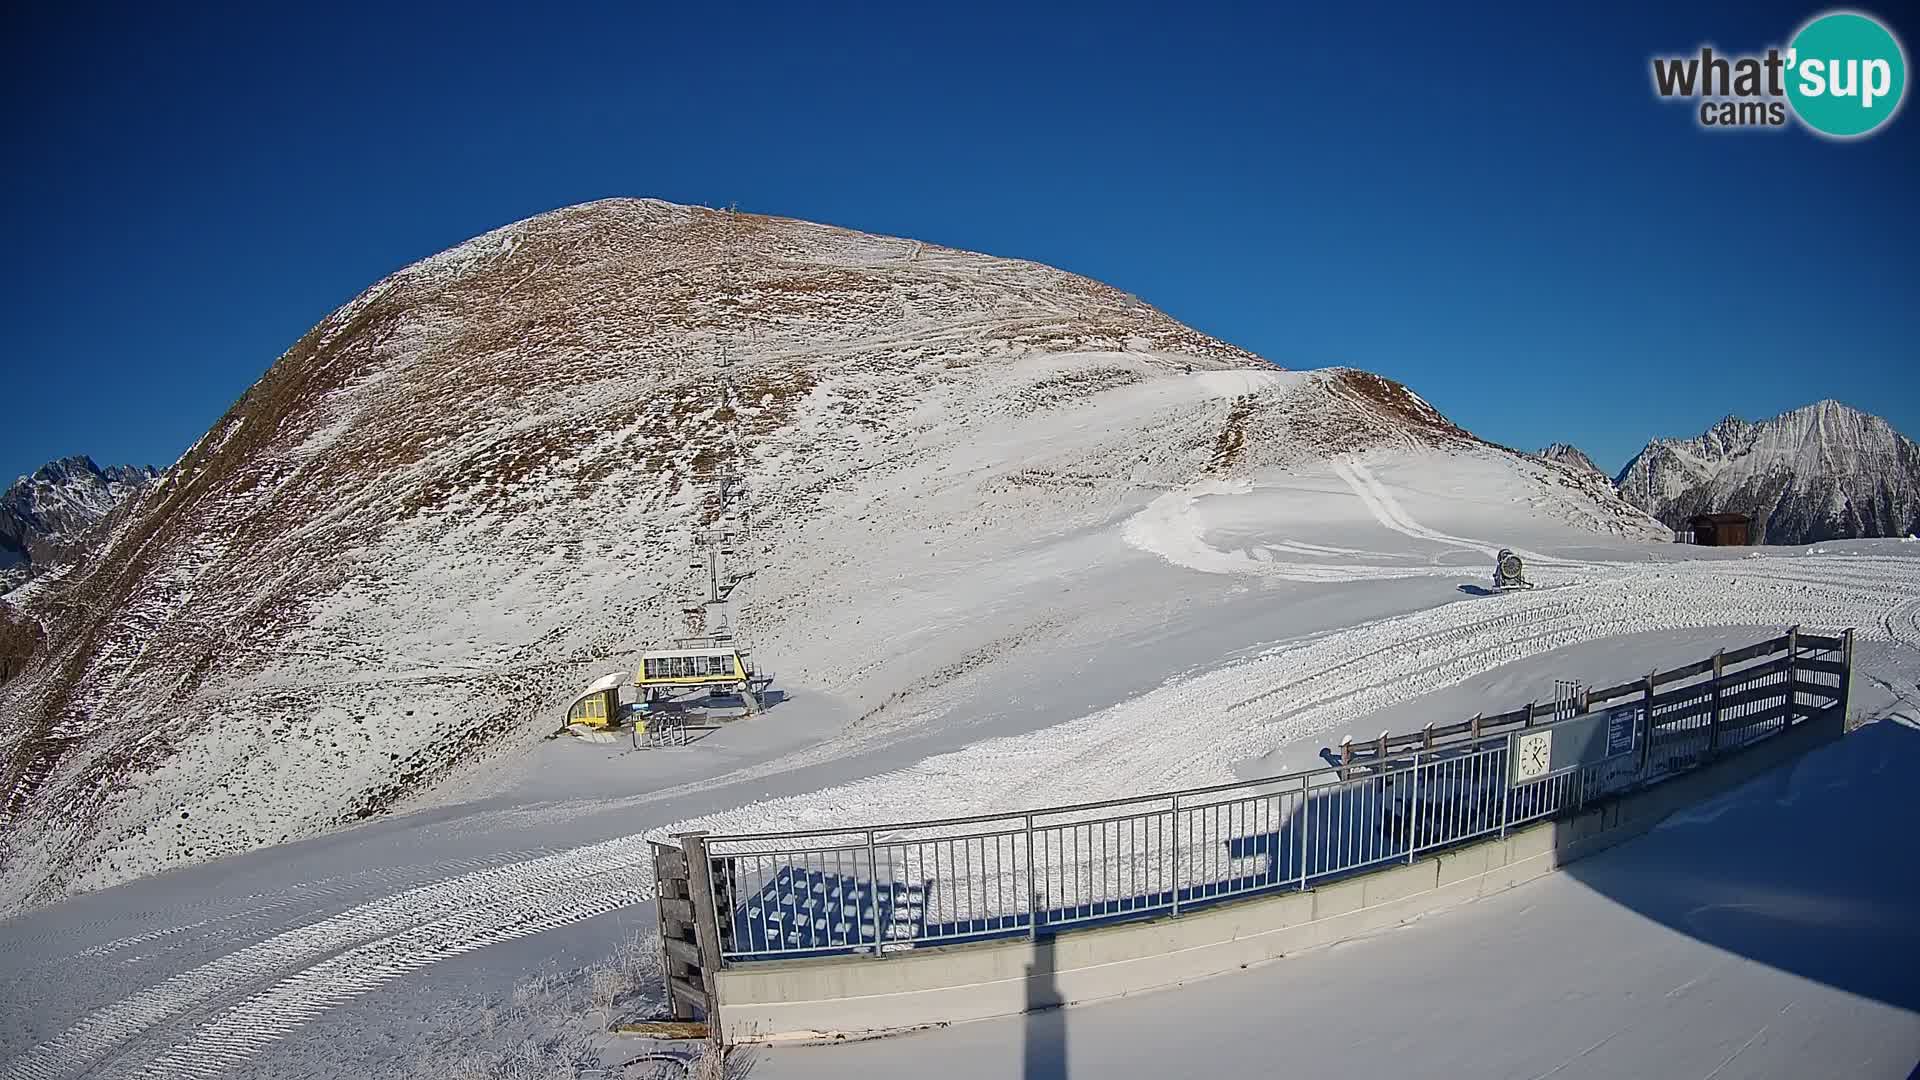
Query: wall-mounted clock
{"type": "Point", "coordinates": [1535, 755]}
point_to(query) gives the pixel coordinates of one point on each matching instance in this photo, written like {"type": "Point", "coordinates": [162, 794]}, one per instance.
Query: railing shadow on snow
{"type": "Point", "coordinates": [1036, 874]}
{"type": "Point", "coordinates": [1809, 868]}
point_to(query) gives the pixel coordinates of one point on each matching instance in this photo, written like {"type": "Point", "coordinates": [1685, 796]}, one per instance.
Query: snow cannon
{"type": "Point", "coordinates": [1508, 572]}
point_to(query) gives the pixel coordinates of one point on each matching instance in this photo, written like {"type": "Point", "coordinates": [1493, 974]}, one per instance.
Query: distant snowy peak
{"type": "Point", "coordinates": [1822, 472]}
{"type": "Point", "coordinates": [1571, 456]}
{"type": "Point", "coordinates": [43, 515]}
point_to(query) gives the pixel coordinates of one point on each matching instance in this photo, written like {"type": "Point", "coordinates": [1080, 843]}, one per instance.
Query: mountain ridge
{"type": "Point", "coordinates": [475, 486]}
{"type": "Point", "coordinates": [45, 515]}
{"type": "Point", "coordinates": [1571, 456]}
{"type": "Point", "coordinates": [1823, 471]}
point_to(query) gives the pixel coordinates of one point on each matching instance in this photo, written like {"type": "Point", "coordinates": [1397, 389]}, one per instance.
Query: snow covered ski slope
{"type": "Point", "coordinates": [212, 974]}
{"type": "Point", "coordinates": [277, 794]}
{"type": "Point", "coordinates": [1201, 728]}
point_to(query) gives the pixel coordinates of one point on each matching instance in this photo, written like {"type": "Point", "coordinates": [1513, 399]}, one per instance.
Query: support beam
{"type": "Point", "coordinates": [706, 922]}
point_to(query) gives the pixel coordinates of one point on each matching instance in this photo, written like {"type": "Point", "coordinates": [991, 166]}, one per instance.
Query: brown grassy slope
{"type": "Point", "coordinates": [513, 379]}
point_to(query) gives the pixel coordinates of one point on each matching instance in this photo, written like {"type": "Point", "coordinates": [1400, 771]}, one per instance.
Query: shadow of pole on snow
{"type": "Point", "coordinates": [1044, 1055]}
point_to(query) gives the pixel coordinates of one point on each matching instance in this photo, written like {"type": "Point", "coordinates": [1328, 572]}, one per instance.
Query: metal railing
{"type": "Point", "coordinates": [879, 889]}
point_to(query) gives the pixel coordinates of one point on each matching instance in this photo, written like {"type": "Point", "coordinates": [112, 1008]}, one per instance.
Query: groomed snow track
{"type": "Point", "coordinates": [211, 1019]}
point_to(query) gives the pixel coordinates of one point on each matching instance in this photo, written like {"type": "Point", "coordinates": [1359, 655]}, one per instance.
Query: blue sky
{"type": "Point", "coordinates": [1487, 204]}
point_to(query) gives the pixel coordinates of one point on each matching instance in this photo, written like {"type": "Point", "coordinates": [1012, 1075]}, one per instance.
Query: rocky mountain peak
{"type": "Point", "coordinates": [1571, 456]}
{"type": "Point", "coordinates": [1823, 471]}
{"type": "Point", "coordinates": [45, 515]}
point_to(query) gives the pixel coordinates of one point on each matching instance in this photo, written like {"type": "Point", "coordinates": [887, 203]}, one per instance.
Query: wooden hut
{"type": "Point", "coordinates": [1722, 530]}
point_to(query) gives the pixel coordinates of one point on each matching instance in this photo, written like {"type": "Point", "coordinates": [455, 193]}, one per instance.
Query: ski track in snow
{"type": "Point", "coordinates": [1387, 510]}
{"type": "Point", "coordinates": [1192, 730]}
{"type": "Point", "coordinates": [298, 896]}
{"type": "Point", "coordinates": [368, 944]}
{"type": "Point", "coordinates": [1170, 527]}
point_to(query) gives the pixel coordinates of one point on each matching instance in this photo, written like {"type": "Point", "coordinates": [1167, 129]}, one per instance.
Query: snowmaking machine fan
{"type": "Point", "coordinates": [1509, 572]}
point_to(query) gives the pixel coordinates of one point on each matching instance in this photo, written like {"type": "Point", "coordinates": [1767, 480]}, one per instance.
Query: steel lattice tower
{"type": "Point", "coordinates": [723, 538]}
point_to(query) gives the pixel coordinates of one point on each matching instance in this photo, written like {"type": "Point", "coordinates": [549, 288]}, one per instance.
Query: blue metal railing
{"type": "Point", "coordinates": [883, 888]}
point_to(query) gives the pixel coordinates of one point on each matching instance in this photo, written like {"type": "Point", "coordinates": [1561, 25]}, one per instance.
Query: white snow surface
{"type": "Point", "coordinates": [474, 489]}
{"type": "Point", "coordinates": [1023, 541]}
{"type": "Point", "coordinates": [1197, 728]}
{"type": "Point", "coordinates": [322, 957]}
{"type": "Point", "coordinates": [1765, 934]}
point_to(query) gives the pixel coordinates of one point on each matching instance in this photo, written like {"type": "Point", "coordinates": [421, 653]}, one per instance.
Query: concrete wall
{"type": "Point", "coordinates": [845, 997]}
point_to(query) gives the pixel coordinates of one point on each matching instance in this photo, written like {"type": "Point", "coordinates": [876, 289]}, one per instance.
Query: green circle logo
{"type": "Point", "coordinates": [1846, 74]}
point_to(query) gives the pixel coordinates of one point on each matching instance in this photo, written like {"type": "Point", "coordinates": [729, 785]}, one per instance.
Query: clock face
{"type": "Point", "coordinates": [1535, 755]}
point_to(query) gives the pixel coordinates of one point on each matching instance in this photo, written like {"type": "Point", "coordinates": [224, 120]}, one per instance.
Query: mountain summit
{"type": "Point", "coordinates": [1572, 457]}
{"type": "Point", "coordinates": [476, 487]}
{"type": "Point", "coordinates": [1822, 472]}
{"type": "Point", "coordinates": [44, 515]}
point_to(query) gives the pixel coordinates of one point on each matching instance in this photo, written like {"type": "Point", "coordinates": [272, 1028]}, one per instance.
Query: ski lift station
{"type": "Point", "coordinates": [664, 678]}
{"type": "Point", "coordinates": [716, 666]}
{"type": "Point", "coordinates": [714, 663]}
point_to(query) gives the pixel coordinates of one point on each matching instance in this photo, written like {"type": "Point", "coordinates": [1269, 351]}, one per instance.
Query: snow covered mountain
{"type": "Point", "coordinates": [43, 516]}
{"type": "Point", "coordinates": [1822, 472]}
{"type": "Point", "coordinates": [1572, 457]}
{"type": "Point", "coordinates": [474, 488]}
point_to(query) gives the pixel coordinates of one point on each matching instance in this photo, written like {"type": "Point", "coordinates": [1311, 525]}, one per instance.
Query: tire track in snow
{"type": "Point", "coordinates": [305, 898]}
{"type": "Point", "coordinates": [491, 904]}
{"type": "Point", "coordinates": [239, 1031]}
{"type": "Point", "coordinates": [1170, 528]}
{"type": "Point", "coordinates": [263, 992]}
{"type": "Point", "coordinates": [1902, 624]}
{"type": "Point", "coordinates": [1196, 730]}
{"type": "Point", "coordinates": [1902, 627]}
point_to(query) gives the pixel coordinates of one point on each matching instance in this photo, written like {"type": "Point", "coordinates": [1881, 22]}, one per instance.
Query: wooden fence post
{"type": "Point", "coordinates": [1646, 728]}
{"type": "Point", "coordinates": [679, 957]}
{"type": "Point", "coordinates": [1846, 677]}
{"type": "Point", "coordinates": [706, 920]}
{"type": "Point", "coordinates": [1793, 653]}
{"type": "Point", "coordinates": [1713, 723]}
